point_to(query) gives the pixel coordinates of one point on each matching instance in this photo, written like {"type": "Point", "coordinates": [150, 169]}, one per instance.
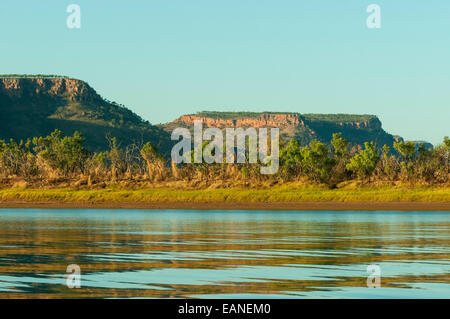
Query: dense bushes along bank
{"type": "Point", "coordinates": [43, 160]}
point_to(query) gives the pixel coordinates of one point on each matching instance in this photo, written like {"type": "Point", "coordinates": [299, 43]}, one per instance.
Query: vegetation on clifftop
{"type": "Point", "coordinates": [32, 76]}
{"type": "Point", "coordinates": [339, 117]}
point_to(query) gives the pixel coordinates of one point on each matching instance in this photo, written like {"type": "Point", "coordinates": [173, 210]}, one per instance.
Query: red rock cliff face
{"type": "Point", "coordinates": [357, 129]}
{"type": "Point", "coordinates": [75, 90]}
{"type": "Point", "coordinates": [264, 120]}
{"type": "Point", "coordinates": [280, 120]}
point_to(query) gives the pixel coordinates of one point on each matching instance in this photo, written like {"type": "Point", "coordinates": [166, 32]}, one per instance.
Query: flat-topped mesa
{"type": "Point", "coordinates": [261, 120]}
{"type": "Point", "coordinates": [356, 128]}
{"type": "Point", "coordinates": [281, 120]}
{"type": "Point", "coordinates": [32, 87]}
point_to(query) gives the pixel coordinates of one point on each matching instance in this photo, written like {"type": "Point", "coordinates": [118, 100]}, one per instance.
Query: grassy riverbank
{"type": "Point", "coordinates": [287, 194]}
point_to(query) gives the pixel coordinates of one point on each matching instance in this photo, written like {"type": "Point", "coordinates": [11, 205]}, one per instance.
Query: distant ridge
{"type": "Point", "coordinates": [36, 105]}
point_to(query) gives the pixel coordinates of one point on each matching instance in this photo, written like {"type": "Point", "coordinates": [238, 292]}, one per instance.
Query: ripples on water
{"type": "Point", "coordinates": [223, 254]}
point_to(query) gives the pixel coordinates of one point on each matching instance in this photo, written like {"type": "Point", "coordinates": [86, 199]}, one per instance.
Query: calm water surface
{"type": "Point", "coordinates": [223, 254]}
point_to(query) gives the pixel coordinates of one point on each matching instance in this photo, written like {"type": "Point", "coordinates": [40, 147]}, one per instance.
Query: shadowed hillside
{"type": "Point", "coordinates": [37, 105]}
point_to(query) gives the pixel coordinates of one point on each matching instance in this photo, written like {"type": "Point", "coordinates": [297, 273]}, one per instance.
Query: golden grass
{"type": "Point", "coordinates": [285, 193]}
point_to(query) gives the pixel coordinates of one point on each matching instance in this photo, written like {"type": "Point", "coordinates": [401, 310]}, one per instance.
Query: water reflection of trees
{"type": "Point", "coordinates": [45, 247]}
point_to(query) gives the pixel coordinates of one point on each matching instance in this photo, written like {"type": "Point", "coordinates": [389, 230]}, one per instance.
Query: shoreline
{"type": "Point", "coordinates": [301, 206]}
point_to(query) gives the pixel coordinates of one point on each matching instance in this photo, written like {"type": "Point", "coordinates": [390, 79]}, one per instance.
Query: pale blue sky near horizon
{"type": "Point", "coordinates": [163, 59]}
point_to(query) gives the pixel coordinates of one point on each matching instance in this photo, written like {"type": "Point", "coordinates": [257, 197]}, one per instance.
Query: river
{"type": "Point", "coordinates": [224, 254]}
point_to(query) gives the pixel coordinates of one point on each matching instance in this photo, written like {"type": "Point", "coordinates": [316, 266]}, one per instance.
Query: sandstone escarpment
{"type": "Point", "coordinates": [26, 88]}
{"type": "Point", "coordinates": [264, 120]}
{"type": "Point", "coordinates": [304, 127]}
{"type": "Point", "coordinates": [280, 120]}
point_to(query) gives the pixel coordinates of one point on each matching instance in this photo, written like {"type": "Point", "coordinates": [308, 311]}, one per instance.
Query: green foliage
{"type": "Point", "coordinates": [406, 149]}
{"type": "Point", "coordinates": [100, 158]}
{"type": "Point", "coordinates": [341, 155]}
{"type": "Point", "coordinates": [33, 76]}
{"type": "Point", "coordinates": [117, 158]}
{"type": "Point", "coordinates": [309, 117]}
{"type": "Point", "coordinates": [155, 161]}
{"type": "Point", "coordinates": [365, 162]}
{"type": "Point", "coordinates": [291, 158]}
{"type": "Point", "coordinates": [316, 163]}
{"type": "Point", "coordinates": [245, 172]}
{"type": "Point", "coordinates": [291, 192]}
{"type": "Point", "coordinates": [447, 143]}
{"type": "Point", "coordinates": [340, 147]}
{"type": "Point", "coordinates": [16, 158]}
{"type": "Point", "coordinates": [387, 163]}
{"type": "Point", "coordinates": [149, 151]}
{"type": "Point", "coordinates": [228, 115]}
{"type": "Point", "coordinates": [236, 115]}
{"type": "Point", "coordinates": [338, 117]}
{"type": "Point", "coordinates": [65, 154]}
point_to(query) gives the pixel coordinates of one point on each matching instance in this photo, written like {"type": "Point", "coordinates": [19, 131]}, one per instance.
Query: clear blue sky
{"type": "Point", "coordinates": [166, 58]}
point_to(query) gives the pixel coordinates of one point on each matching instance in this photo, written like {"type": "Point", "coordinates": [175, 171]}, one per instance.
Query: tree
{"type": "Point", "coordinates": [340, 147]}
{"type": "Point", "coordinates": [387, 163]}
{"type": "Point", "coordinates": [447, 151]}
{"type": "Point", "coordinates": [341, 154]}
{"type": "Point", "coordinates": [155, 162]}
{"type": "Point", "coordinates": [442, 155]}
{"type": "Point", "coordinates": [17, 159]}
{"type": "Point", "coordinates": [116, 158]}
{"type": "Point", "coordinates": [316, 163]}
{"type": "Point", "coordinates": [64, 155]}
{"type": "Point", "coordinates": [365, 162]}
{"type": "Point", "coordinates": [406, 149]}
{"type": "Point", "coordinates": [291, 158]}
